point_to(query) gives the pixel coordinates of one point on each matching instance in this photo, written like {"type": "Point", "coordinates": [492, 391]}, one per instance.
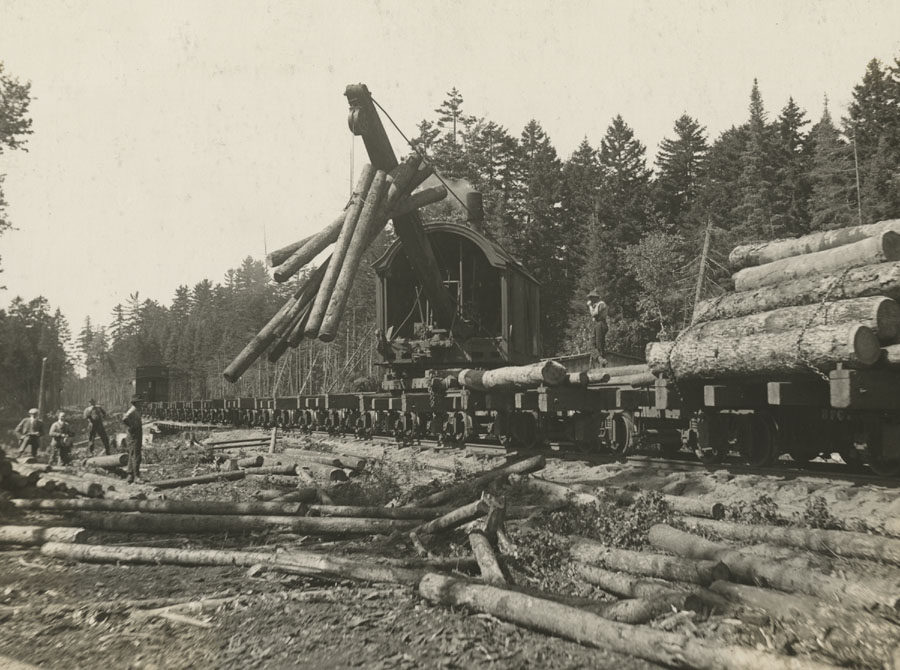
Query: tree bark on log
{"type": "Point", "coordinates": [305, 456]}
{"type": "Point", "coordinates": [312, 248]}
{"type": "Point", "coordinates": [420, 513]}
{"type": "Point", "coordinates": [419, 199]}
{"type": "Point", "coordinates": [880, 314]}
{"type": "Point", "coordinates": [620, 370]}
{"type": "Point", "coordinates": [519, 467]}
{"type": "Point", "coordinates": [862, 592]}
{"type": "Point", "coordinates": [871, 280]}
{"type": "Point", "coordinates": [365, 231]}
{"type": "Point", "coordinates": [625, 585]}
{"type": "Point", "coordinates": [85, 487]}
{"type": "Point", "coordinates": [279, 256]}
{"type": "Point", "coordinates": [235, 523]}
{"type": "Point", "coordinates": [200, 479]}
{"type": "Point", "coordinates": [225, 444]}
{"type": "Point", "coordinates": [327, 472]}
{"type": "Point", "coordinates": [794, 352]}
{"type": "Point", "coordinates": [250, 444]}
{"type": "Point", "coordinates": [883, 248]}
{"type": "Point", "coordinates": [295, 562]}
{"type": "Point", "coordinates": [323, 297]}
{"type": "Point", "coordinates": [837, 542]}
{"type": "Point", "coordinates": [681, 504]}
{"type": "Point", "coordinates": [111, 461]}
{"type": "Point", "coordinates": [643, 379]}
{"type": "Point", "coordinates": [651, 565]}
{"type": "Point", "coordinates": [760, 253]}
{"type": "Point", "coordinates": [553, 618]}
{"type": "Point", "coordinates": [491, 573]}
{"type": "Point", "coordinates": [854, 638]}
{"type": "Point", "coordinates": [513, 378]}
{"type": "Point", "coordinates": [216, 507]}
{"type": "Point", "coordinates": [30, 536]}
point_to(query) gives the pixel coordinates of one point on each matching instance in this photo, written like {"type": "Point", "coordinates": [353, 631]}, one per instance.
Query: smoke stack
{"type": "Point", "coordinates": [475, 205]}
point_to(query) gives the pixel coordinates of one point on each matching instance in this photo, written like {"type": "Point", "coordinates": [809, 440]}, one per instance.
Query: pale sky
{"type": "Point", "coordinates": [171, 137]}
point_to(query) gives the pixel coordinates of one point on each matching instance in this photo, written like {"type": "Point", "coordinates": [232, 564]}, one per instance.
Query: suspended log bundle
{"type": "Point", "coordinates": [748, 255]}
{"type": "Point", "coordinates": [774, 354]}
{"type": "Point", "coordinates": [514, 378]}
{"type": "Point", "coordinates": [883, 248]}
{"type": "Point", "coordinates": [315, 309]}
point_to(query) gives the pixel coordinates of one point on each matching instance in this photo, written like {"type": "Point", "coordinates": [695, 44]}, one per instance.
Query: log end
{"type": "Point", "coordinates": [890, 245]}
{"type": "Point", "coordinates": [865, 345]}
{"type": "Point", "coordinates": [326, 336]}
{"type": "Point", "coordinates": [887, 316]}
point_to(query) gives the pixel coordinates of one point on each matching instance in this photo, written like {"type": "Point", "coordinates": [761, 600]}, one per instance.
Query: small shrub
{"type": "Point", "coordinates": [817, 515]}
{"type": "Point", "coordinates": [763, 510]}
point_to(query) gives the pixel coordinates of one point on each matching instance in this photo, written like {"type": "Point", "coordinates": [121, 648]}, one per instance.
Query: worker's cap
{"type": "Point", "coordinates": [92, 401]}
{"type": "Point", "coordinates": [33, 410]}
{"type": "Point", "coordinates": [593, 294]}
{"type": "Point", "coordinates": [61, 415]}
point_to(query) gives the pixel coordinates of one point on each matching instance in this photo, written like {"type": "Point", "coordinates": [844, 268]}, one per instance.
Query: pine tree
{"type": "Point", "coordinates": [756, 182]}
{"type": "Point", "coordinates": [789, 215]}
{"type": "Point", "coordinates": [832, 203]}
{"type": "Point", "coordinates": [681, 164]}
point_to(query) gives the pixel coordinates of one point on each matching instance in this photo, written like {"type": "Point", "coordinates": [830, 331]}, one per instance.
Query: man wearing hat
{"type": "Point", "coordinates": [61, 435]}
{"type": "Point", "coordinates": [132, 421]}
{"type": "Point", "coordinates": [600, 327]}
{"type": "Point", "coordinates": [29, 431]}
{"type": "Point", "coordinates": [95, 415]}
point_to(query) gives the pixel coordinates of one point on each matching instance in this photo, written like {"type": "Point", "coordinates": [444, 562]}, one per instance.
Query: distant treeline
{"type": "Point", "coordinates": [604, 218]}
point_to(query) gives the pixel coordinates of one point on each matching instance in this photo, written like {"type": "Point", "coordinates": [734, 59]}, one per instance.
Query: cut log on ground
{"type": "Point", "coordinates": [235, 443]}
{"type": "Point", "coordinates": [854, 638]}
{"type": "Point", "coordinates": [789, 353]}
{"type": "Point", "coordinates": [234, 523]}
{"type": "Point", "coordinates": [286, 470]}
{"type": "Point", "coordinates": [553, 618]}
{"type": "Point", "coordinates": [471, 487]}
{"type": "Point", "coordinates": [35, 535]}
{"type": "Point", "coordinates": [305, 456]}
{"type": "Point", "coordinates": [379, 512]}
{"type": "Point", "coordinates": [837, 542]}
{"type": "Point", "coordinates": [491, 573]}
{"type": "Point", "coordinates": [625, 585]}
{"type": "Point", "coordinates": [760, 253]}
{"type": "Point", "coordinates": [80, 485]}
{"type": "Point", "coordinates": [883, 248]}
{"type": "Point", "coordinates": [865, 592]}
{"type": "Point", "coordinates": [456, 517]}
{"type": "Point", "coordinates": [512, 378]}
{"type": "Point", "coordinates": [309, 564]}
{"type": "Point", "coordinates": [652, 565]}
{"type": "Point", "coordinates": [200, 479]}
{"type": "Point", "coordinates": [250, 444]}
{"type": "Point", "coordinates": [325, 472]}
{"type": "Point", "coordinates": [215, 507]}
{"type": "Point", "coordinates": [878, 313]}
{"type": "Point", "coordinates": [882, 279]}
{"type": "Point", "coordinates": [111, 461]}
{"type": "Point", "coordinates": [250, 462]}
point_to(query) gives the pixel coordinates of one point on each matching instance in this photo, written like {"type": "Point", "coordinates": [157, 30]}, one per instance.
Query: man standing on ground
{"type": "Point", "coordinates": [61, 434]}
{"type": "Point", "coordinates": [132, 421]}
{"type": "Point", "coordinates": [600, 326]}
{"type": "Point", "coordinates": [29, 431]}
{"type": "Point", "coordinates": [95, 416]}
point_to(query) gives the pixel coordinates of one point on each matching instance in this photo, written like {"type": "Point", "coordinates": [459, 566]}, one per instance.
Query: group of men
{"type": "Point", "coordinates": [31, 428]}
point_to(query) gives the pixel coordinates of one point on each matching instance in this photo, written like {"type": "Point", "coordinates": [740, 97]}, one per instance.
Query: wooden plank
{"type": "Point", "coordinates": [565, 399]}
{"type": "Point", "coordinates": [734, 396]}
{"type": "Point", "coordinates": [865, 389]}
{"type": "Point", "coordinates": [813, 393]}
{"type": "Point", "coordinates": [341, 401]}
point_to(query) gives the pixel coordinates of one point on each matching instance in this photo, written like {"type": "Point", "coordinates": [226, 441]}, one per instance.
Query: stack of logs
{"type": "Point", "coordinates": [800, 306]}
{"type": "Point", "coordinates": [316, 307]}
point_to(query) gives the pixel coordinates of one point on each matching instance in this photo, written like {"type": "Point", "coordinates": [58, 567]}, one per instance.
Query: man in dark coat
{"type": "Point", "coordinates": [29, 431]}
{"type": "Point", "coordinates": [132, 421]}
{"type": "Point", "coordinates": [600, 325]}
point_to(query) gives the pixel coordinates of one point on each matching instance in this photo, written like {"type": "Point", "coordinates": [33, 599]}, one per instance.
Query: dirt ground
{"type": "Point", "coordinates": [59, 614]}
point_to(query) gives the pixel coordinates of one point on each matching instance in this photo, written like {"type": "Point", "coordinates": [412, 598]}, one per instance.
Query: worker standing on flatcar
{"type": "Point", "coordinates": [600, 325]}
{"type": "Point", "coordinates": [95, 414]}
{"type": "Point", "coordinates": [132, 421]}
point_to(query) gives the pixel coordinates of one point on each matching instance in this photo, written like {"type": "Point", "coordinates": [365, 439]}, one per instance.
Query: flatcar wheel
{"type": "Point", "coordinates": [712, 437]}
{"type": "Point", "coordinates": [883, 449]}
{"type": "Point", "coordinates": [523, 430]}
{"type": "Point", "coordinates": [621, 432]}
{"type": "Point", "coordinates": [756, 439]}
